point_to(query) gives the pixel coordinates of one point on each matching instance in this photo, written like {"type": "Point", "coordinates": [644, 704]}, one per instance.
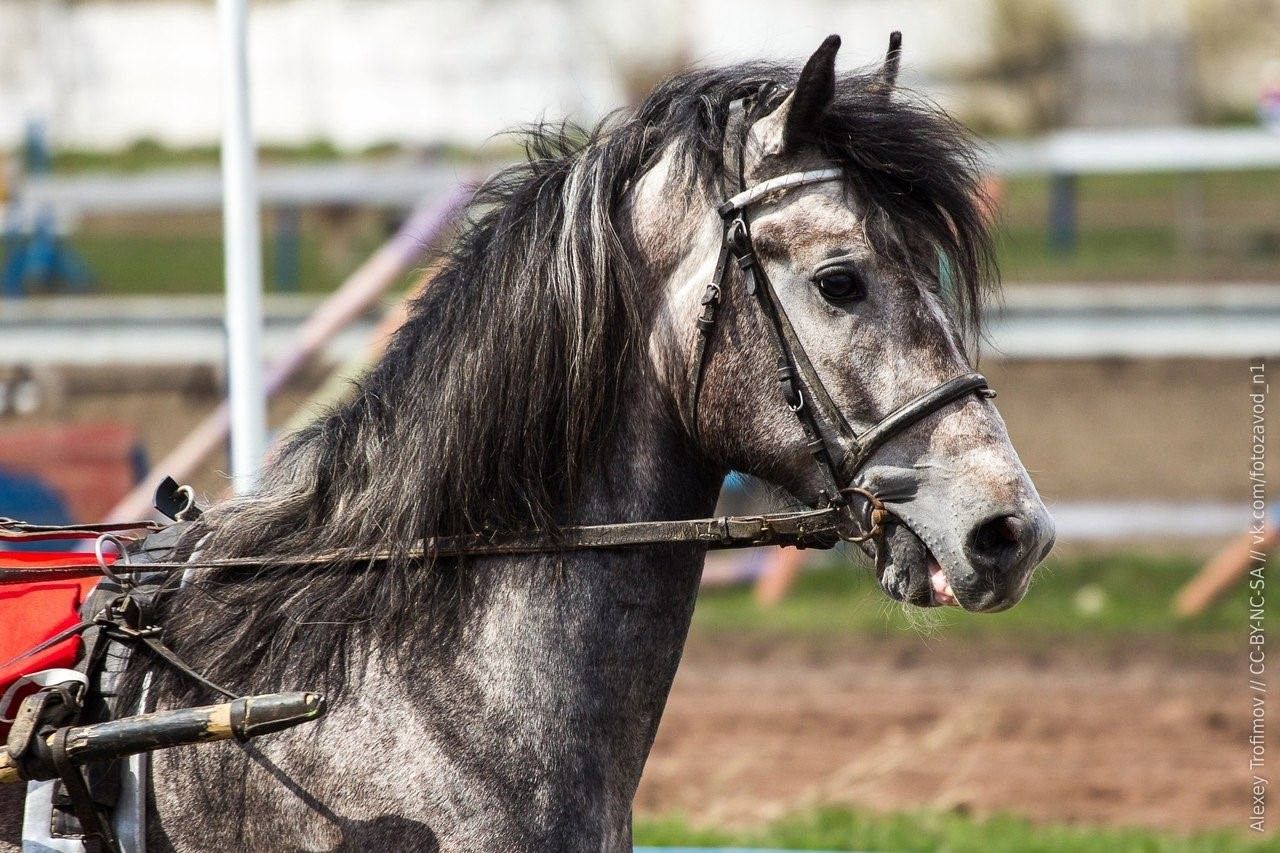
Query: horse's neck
{"type": "Point", "coordinates": [565, 661]}
{"type": "Point", "coordinates": [527, 727]}
{"type": "Point", "coordinates": [527, 724]}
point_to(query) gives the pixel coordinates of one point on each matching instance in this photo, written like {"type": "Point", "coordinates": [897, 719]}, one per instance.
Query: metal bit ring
{"type": "Point", "coordinates": [877, 515]}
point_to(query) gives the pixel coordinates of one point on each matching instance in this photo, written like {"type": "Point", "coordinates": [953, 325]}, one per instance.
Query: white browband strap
{"type": "Point", "coordinates": [748, 197]}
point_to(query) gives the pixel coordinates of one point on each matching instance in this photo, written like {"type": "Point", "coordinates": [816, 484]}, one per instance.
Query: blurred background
{"type": "Point", "coordinates": [1133, 150]}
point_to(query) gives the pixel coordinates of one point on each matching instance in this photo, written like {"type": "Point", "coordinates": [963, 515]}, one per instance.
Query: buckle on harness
{"type": "Point", "coordinates": [122, 619]}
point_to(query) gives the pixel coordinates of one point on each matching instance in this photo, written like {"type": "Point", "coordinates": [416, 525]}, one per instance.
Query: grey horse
{"type": "Point", "coordinates": [509, 703]}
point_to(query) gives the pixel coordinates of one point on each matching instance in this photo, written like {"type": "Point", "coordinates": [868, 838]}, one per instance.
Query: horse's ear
{"type": "Point", "coordinates": [813, 93]}
{"type": "Point", "coordinates": [788, 126]}
{"type": "Point", "coordinates": [892, 59]}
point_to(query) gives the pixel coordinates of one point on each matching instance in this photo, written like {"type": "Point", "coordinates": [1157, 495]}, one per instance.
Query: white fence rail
{"type": "Point", "coordinates": [1036, 321]}
{"type": "Point", "coordinates": [402, 183]}
{"type": "Point", "coordinates": [1159, 149]}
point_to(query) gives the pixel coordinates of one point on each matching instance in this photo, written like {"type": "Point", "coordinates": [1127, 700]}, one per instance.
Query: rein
{"type": "Point", "coordinates": [813, 528]}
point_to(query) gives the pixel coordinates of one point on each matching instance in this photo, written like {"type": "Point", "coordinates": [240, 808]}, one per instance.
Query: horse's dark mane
{"type": "Point", "coordinates": [493, 401]}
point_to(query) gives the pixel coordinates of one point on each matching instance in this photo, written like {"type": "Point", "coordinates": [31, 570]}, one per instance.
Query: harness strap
{"type": "Point", "coordinates": [155, 644]}
{"type": "Point", "coordinates": [732, 181]}
{"type": "Point", "coordinates": [829, 420]}
{"type": "Point", "coordinates": [13, 530]}
{"type": "Point", "coordinates": [706, 325]}
{"type": "Point", "coordinates": [804, 392]}
{"type": "Point", "coordinates": [123, 620]}
{"type": "Point", "coordinates": [746, 198]}
{"type": "Point", "coordinates": [93, 823]}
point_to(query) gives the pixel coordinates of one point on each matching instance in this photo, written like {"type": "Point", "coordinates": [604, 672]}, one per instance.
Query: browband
{"type": "Point", "coordinates": [748, 197]}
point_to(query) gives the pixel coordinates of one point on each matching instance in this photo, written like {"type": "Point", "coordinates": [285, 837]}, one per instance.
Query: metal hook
{"type": "Point", "coordinates": [189, 493]}
{"type": "Point", "coordinates": [102, 560]}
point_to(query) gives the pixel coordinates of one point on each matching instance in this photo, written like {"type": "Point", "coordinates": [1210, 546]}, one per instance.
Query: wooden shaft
{"type": "Point", "coordinates": [242, 718]}
{"type": "Point", "coordinates": [1225, 569]}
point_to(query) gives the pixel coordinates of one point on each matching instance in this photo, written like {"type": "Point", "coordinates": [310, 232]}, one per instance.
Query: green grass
{"type": "Point", "coordinates": [845, 829]}
{"type": "Point", "coordinates": [130, 264]}
{"type": "Point", "coordinates": [161, 264]}
{"type": "Point", "coordinates": [145, 154]}
{"type": "Point", "coordinates": [1113, 595]}
{"type": "Point", "coordinates": [1148, 226]}
{"type": "Point", "coordinates": [1131, 228]}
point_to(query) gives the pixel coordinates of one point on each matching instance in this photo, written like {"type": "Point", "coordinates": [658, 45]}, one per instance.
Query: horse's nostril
{"type": "Point", "coordinates": [997, 541]}
{"type": "Point", "coordinates": [1009, 528]}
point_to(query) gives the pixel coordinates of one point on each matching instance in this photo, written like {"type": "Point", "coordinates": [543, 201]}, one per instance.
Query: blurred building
{"type": "Point", "coordinates": [105, 73]}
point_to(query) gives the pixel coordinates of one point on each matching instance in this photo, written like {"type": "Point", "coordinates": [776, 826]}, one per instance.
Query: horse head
{"type": "Point", "coordinates": [866, 231]}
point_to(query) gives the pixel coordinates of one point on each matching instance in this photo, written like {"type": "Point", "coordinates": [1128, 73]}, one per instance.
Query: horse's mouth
{"type": "Point", "coordinates": [909, 572]}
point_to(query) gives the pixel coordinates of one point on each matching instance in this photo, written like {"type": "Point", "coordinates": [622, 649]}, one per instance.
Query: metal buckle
{"type": "Point", "coordinates": [799, 403]}
{"type": "Point", "coordinates": [735, 237]}
{"type": "Point", "coordinates": [122, 618]}
{"type": "Point", "coordinates": [715, 530]}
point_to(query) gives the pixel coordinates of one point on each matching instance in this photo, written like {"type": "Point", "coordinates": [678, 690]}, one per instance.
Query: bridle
{"type": "Point", "coordinates": [839, 452]}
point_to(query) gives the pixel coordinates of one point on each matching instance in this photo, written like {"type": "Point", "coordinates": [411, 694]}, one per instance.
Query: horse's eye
{"type": "Point", "coordinates": [841, 286]}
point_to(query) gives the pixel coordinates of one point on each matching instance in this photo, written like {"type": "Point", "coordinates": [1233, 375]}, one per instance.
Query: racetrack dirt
{"type": "Point", "coordinates": [1138, 734]}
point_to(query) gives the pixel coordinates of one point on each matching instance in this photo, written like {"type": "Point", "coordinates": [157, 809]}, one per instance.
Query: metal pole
{"type": "Point", "coordinates": [242, 240]}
